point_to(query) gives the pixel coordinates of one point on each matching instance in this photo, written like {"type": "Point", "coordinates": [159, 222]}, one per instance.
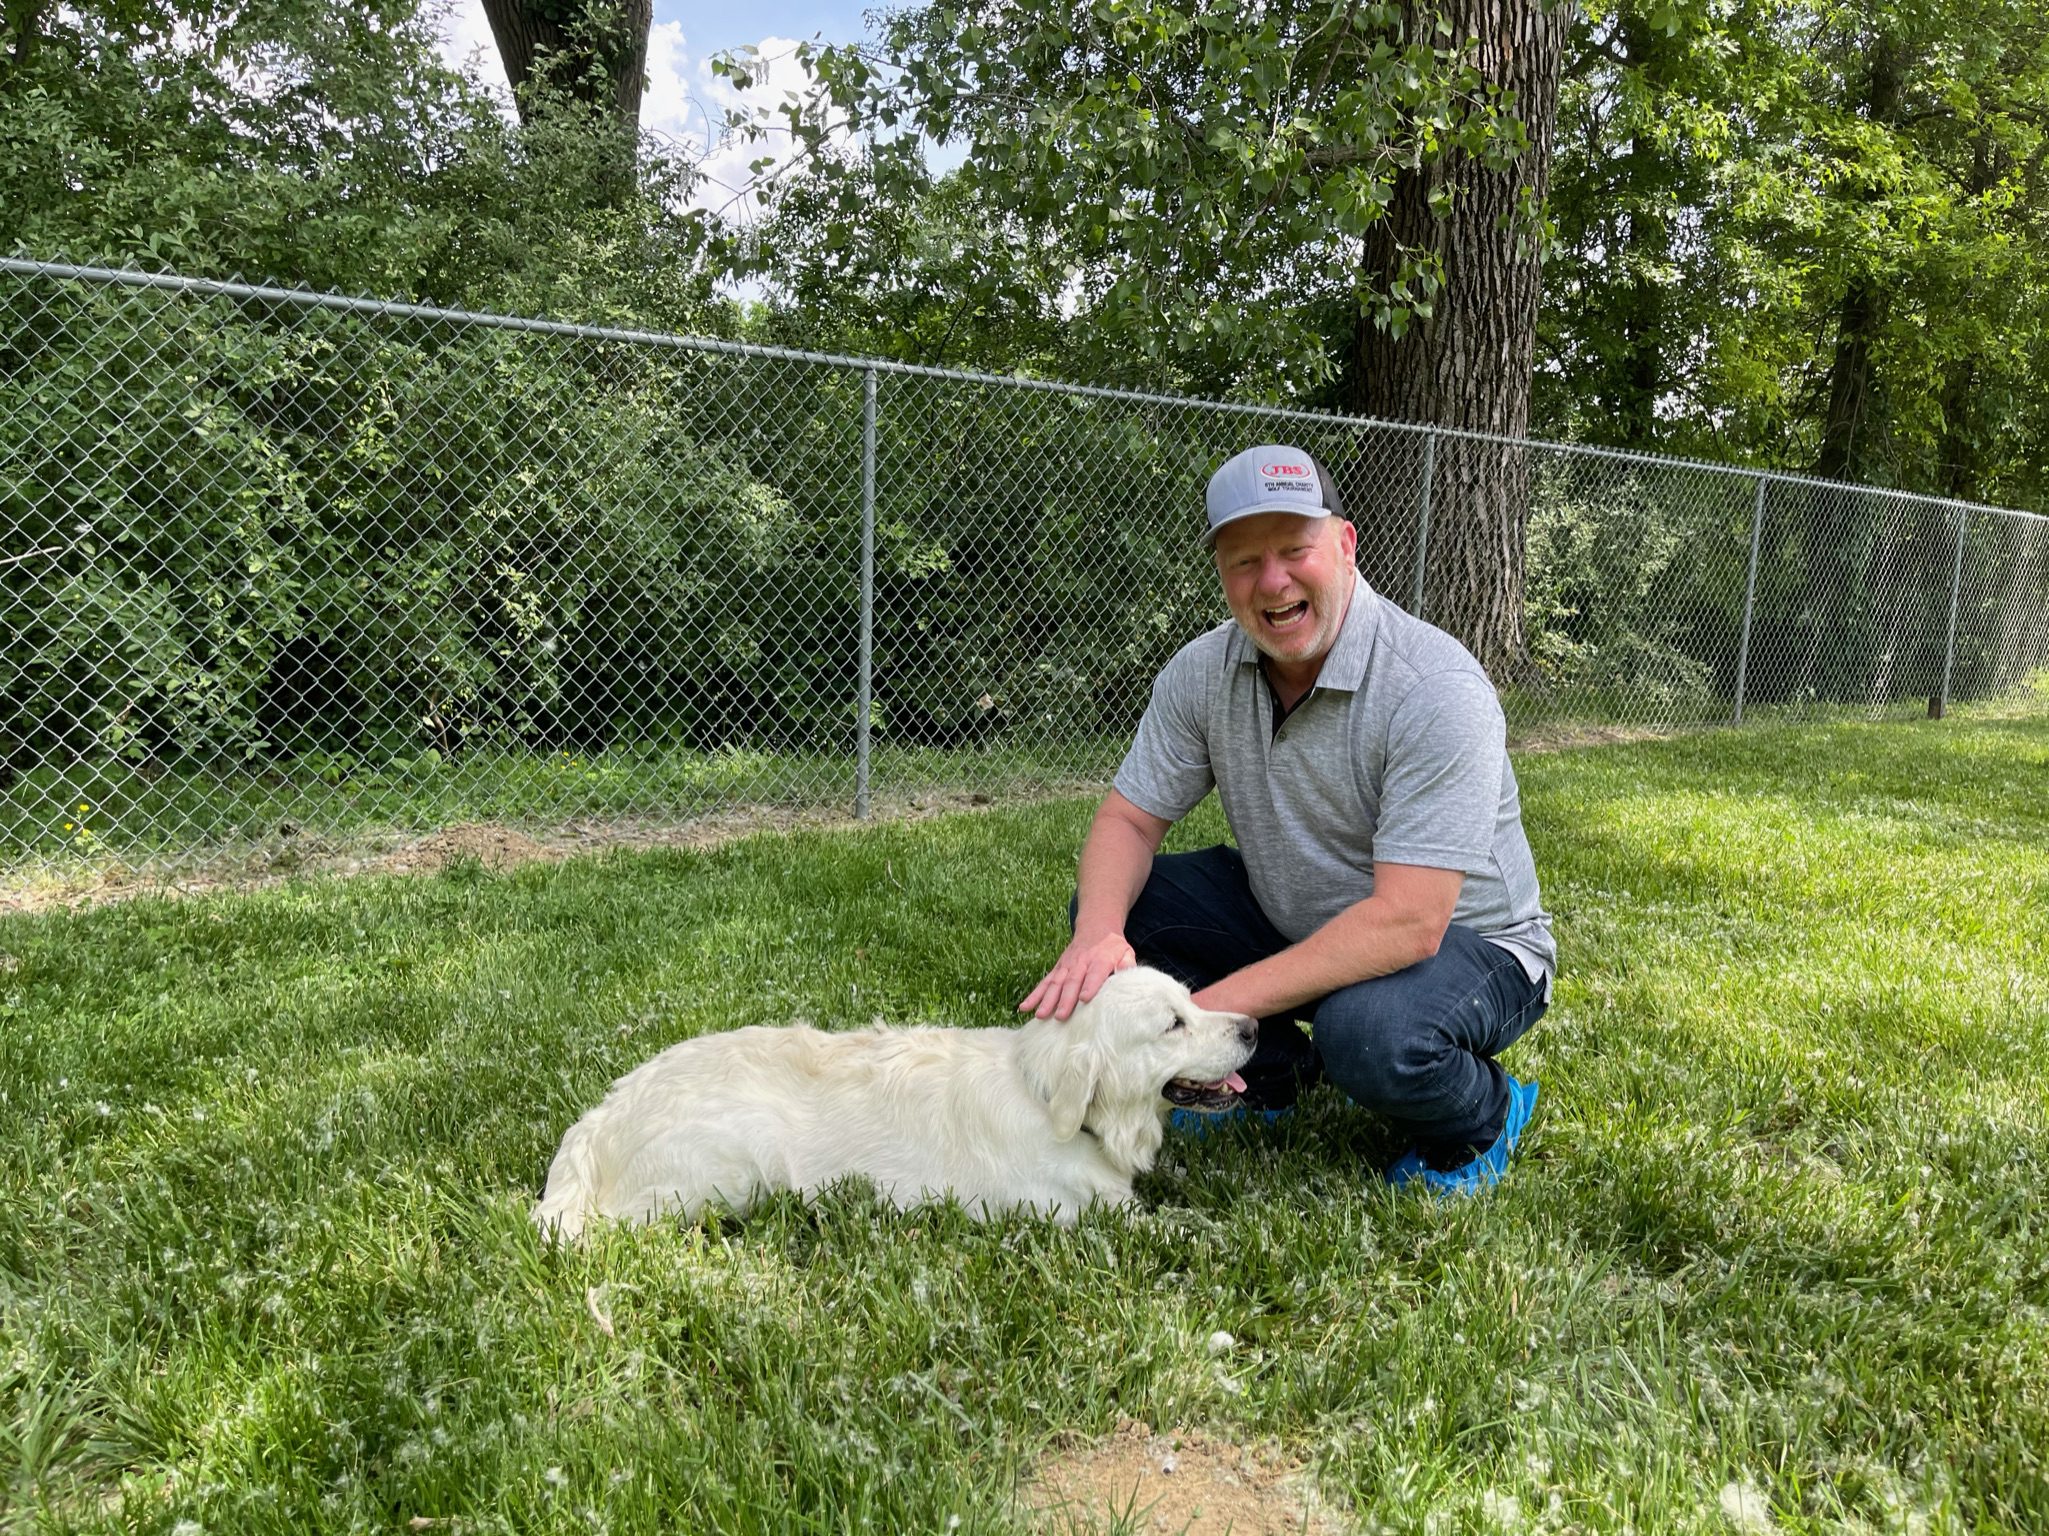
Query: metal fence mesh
{"type": "Point", "coordinates": [279, 566]}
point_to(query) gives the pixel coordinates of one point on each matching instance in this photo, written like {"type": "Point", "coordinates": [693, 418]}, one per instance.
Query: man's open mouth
{"type": "Point", "coordinates": [1281, 618]}
{"type": "Point", "coordinates": [1189, 1094]}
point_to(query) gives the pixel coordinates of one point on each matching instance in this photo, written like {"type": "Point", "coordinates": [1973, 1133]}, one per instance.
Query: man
{"type": "Point", "coordinates": [1381, 886]}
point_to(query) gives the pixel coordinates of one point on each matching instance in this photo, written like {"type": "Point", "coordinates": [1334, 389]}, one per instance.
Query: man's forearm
{"type": "Point", "coordinates": [1116, 858]}
{"type": "Point", "coordinates": [1371, 938]}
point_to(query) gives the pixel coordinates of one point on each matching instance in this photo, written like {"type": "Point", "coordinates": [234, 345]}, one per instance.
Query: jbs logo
{"type": "Point", "coordinates": [1285, 471]}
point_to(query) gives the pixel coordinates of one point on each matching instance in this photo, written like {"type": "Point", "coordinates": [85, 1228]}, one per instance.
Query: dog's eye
{"type": "Point", "coordinates": [1179, 1023]}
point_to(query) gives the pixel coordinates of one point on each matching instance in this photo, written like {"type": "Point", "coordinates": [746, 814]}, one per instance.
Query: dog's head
{"type": "Point", "coordinates": [1139, 1044]}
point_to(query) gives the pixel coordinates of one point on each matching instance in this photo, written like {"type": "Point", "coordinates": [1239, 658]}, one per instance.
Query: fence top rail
{"type": "Point", "coordinates": [394, 308]}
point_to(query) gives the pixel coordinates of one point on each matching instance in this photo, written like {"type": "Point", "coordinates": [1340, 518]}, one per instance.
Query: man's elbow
{"type": "Point", "coordinates": [1426, 937]}
{"type": "Point", "coordinates": [1119, 813]}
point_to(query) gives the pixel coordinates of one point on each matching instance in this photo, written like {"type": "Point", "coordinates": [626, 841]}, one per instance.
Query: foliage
{"type": "Point", "coordinates": [1207, 182]}
{"type": "Point", "coordinates": [260, 532]}
{"type": "Point", "coordinates": [274, 140]}
{"type": "Point", "coordinates": [257, 539]}
{"type": "Point", "coordinates": [1649, 118]}
{"type": "Point", "coordinates": [1630, 587]}
{"type": "Point", "coordinates": [1727, 184]}
{"type": "Point", "coordinates": [329, 147]}
{"type": "Point", "coordinates": [931, 274]}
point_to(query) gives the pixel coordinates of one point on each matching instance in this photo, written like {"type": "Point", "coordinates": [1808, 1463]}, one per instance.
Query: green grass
{"type": "Point", "coordinates": [264, 1261]}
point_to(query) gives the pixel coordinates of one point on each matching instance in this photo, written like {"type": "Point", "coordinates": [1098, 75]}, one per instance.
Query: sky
{"type": "Point", "coordinates": [684, 100]}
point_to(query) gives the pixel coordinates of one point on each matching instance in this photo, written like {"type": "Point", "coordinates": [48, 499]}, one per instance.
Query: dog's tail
{"type": "Point", "coordinates": [572, 1191]}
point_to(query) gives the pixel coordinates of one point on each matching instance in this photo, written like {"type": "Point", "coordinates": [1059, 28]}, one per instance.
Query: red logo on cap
{"type": "Point", "coordinates": [1280, 471]}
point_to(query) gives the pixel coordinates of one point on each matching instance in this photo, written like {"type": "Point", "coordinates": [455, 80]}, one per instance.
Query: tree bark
{"type": "Point", "coordinates": [1959, 453]}
{"type": "Point", "coordinates": [1469, 365]}
{"type": "Point", "coordinates": [1640, 374]}
{"type": "Point", "coordinates": [602, 43]}
{"type": "Point", "coordinates": [1839, 529]}
{"type": "Point", "coordinates": [22, 21]}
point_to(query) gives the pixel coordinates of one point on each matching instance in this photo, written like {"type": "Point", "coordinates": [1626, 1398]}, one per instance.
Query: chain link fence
{"type": "Point", "coordinates": [287, 570]}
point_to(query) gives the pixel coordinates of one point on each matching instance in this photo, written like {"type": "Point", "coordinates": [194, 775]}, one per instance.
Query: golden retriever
{"type": "Point", "coordinates": [1048, 1116]}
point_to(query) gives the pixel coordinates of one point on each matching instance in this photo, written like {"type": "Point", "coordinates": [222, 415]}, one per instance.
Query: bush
{"type": "Point", "coordinates": [1626, 587]}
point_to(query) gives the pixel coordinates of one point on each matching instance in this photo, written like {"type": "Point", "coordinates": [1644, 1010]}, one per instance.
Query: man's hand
{"type": "Point", "coordinates": [1077, 976]}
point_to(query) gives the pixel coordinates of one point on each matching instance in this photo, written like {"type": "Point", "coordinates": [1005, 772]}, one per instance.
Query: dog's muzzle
{"type": "Point", "coordinates": [1189, 1094]}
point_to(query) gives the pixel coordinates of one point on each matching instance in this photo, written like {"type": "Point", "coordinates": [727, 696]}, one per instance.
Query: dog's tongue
{"type": "Point", "coordinates": [1234, 1082]}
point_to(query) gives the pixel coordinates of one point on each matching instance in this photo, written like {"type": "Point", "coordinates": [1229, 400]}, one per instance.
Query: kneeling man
{"type": "Point", "coordinates": [1381, 886]}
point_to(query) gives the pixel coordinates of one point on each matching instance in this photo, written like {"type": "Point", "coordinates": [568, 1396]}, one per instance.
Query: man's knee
{"type": "Point", "coordinates": [1381, 1060]}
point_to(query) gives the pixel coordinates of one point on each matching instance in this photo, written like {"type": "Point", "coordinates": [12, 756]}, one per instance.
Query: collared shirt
{"type": "Point", "coordinates": [1398, 753]}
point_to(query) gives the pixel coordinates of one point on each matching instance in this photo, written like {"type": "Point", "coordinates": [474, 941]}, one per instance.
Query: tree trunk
{"type": "Point", "coordinates": [1846, 430]}
{"type": "Point", "coordinates": [1469, 365]}
{"type": "Point", "coordinates": [21, 21]}
{"type": "Point", "coordinates": [1840, 527]}
{"type": "Point", "coordinates": [602, 46]}
{"type": "Point", "coordinates": [1640, 372]}
{"type": "Point", "coordinates": [1959, 451]}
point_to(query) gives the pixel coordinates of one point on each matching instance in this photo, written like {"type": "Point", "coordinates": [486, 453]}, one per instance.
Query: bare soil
{"type": "Point", "coordinates": [1183, 1482]}
{"type": "Point", "coordinates": [494, 845]}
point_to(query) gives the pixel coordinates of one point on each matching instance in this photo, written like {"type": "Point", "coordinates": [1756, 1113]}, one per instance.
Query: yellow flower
{"type": "Point", "coordinates": [83, 807]}
{"type": "Point", "coordinates": [67, 826]}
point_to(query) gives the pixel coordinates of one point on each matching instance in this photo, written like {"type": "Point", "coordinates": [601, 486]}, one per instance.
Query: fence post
{"type": "Point", "coordinates": [1949, 646]}
{"type": "Point", "coordinates": [862, 708]}
{"type": "Point", "coordinates": [1749, 597]}
{"type": "Point", "coordinates": [1423, 522]}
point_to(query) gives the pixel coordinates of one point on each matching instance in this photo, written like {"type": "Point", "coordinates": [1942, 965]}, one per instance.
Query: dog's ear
{"type": "Point", "coordinates": [1074, 1088]}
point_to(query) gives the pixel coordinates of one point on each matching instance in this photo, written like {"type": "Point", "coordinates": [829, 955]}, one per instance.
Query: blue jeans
{"type": "Point", "coordinates": [1416, 1046]}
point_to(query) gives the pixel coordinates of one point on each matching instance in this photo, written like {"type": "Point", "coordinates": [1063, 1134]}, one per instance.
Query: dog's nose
{"type": "Point", "coordinates": [1248, 1030]}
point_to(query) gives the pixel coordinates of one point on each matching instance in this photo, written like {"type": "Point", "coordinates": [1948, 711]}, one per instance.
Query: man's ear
{"type": "Point", "coordinates": [1348, 541]}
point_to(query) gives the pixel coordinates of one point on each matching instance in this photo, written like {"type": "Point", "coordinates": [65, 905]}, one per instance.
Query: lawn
{"type": "Point", "coordinates": [1776, 1258]}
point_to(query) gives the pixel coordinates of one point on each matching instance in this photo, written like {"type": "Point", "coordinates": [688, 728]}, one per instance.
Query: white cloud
{"type": "Point", "coordinates": [727, 156]}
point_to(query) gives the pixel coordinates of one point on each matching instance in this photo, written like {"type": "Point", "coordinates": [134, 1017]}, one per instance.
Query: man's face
{"type": "Point", "coordinates": [1288, 580]}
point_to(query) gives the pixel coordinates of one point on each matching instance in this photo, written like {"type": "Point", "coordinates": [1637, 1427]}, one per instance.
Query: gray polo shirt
{"type": "Point", "coordinates": [1398, 753]}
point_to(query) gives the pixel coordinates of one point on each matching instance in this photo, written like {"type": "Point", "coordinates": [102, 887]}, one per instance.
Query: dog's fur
{"type": "Point", "coordinates": [1049, 1115]}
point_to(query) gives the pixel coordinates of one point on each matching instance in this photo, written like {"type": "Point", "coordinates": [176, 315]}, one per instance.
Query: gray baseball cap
{"type": "Point", "coordinates": [1270, 478]}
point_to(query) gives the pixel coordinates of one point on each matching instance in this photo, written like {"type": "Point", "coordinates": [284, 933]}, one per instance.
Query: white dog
{"type": "Point", "coordinates": [1049, 1116]}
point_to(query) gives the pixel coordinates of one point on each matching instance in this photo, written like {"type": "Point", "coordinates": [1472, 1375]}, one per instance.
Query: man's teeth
{"type": "Point", "coordinates": [1279, 616]}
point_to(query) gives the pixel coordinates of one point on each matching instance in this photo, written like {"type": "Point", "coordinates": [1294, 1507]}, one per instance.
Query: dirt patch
{"type": "Point", "coordinates": [1175, 1481]}
{"type": "Point", "coordinates": [1562, 738]}
{"type": "Point", "coordinates": [494, 845]}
